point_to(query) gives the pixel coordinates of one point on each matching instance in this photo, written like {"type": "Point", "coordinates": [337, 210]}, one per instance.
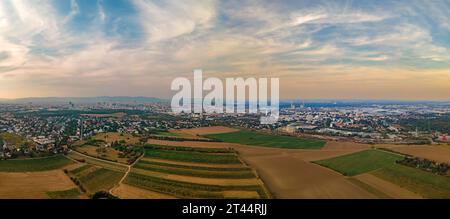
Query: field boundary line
{"type": "Point", "coordinates": [98, 159]}
{"type": "Point", "coordinates": [126, 173]}
{"type": "Point", "coordinates": [35, 158]}
{"type": "Point", "coordinates": [266, 189]}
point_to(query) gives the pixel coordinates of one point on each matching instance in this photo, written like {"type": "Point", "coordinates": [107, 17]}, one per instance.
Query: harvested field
{"type": "Point", "coordinates": [33, 185]}
{"type": "Point", "coordinates": [390, 189]}
{"type": "Point", "coordinates": [176, 133]}
{"type": "Point", "coordinates": [345, 146]}
{"type": "Point", "coordinates": [290, 177]}
{"type": "Point", "coordinates": [437, 153]}
{"type": "Point", "coordinates": [288, 173]}
{"type": "Point", "coordinates": [187, 189]}
{"type": "Point", "coordinates": [321, 154]}
{"type": "Point", "coordinates": [205, 130]}
{"type": "Point", "coordinates": [73, 166]}
{"type": "Point", "coordinates": [241, 194]}
{"type": "Point", "coordinates": [284, 167]}
{"type": "Point", "coordinates": [331, 149]}
{"type": "Point", "coordinates": [199, 180]}
{"type": "Point", "coordinates": [125, 191]}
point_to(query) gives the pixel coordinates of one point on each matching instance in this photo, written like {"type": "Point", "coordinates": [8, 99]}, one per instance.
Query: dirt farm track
{"type": "Point", "coordinates": [288, 172]}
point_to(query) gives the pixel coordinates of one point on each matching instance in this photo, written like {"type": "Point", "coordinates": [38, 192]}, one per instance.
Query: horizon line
{"type": "Point", "coordinates": [281, 99]}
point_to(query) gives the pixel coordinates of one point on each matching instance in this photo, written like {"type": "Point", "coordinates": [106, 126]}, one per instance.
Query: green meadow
{"type": "Point", "coordinates": [36, 164]}
{"type": "Point", "coordinates": [267, 140]}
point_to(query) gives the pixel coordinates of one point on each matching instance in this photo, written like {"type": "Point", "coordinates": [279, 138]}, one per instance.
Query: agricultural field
{"type": "Point", "coordinates": [106, 153]}
{"type": "Point", "coordinates": [185, 172]}
{"type": "Point", "coordinates": [199, 155]}
{"type": "Point", "coordinates": [97, 162]}
{"type": "Point", "coordinates": [36, 185]}
{"type": "Point", "coordinates": [65, 194]}
{"type": "Point", "coordinates": [125, 191]}
{"type": "Point", "coordinates": [287, 173]}
{"type": "Point", "coordinates": [111, 137]}
{"type": "Point", "coordinates": [439, 153]}
{"type": "Point", "coordinates": [93, 179]}
{"type": "Point", "coordinates": [205, 130]}
{"type": "Point", "coordinates": [361, 162]}
{"type": "Point", "coordinates": [35, 164]}
{"type": "Point", "coordinates": [387, 172]}
{"type": "Point", "coordinates": [426, 184]}
{"type": "Point", "coordinates": [196, 133]}
{"type": "Point", "coordinates": [267, 140]}
{"type": "Point", "coordinates": [169, 134]}
{"type": "Point", "coordinates": [112, 115]}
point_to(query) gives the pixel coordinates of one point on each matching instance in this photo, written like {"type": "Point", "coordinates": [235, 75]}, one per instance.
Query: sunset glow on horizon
{"type": "Point", "coordinates": [319, 49]}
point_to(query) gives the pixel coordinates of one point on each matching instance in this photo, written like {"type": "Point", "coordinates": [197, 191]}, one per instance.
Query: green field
{"type": "Point", "coordinates": [31, 165]}
{"type": "Point", "coordinates": [427, 184]}
{"type": "Point", "coordinates": [195, 167]}
{"type": "Point", "coordinates": [170, 134]}
{"type": "Point", "coordinates": [192, 156]}
{"type": "Point", "coordinates": [66, 194]}
{"type": "Point", "coordinates": [94, 179]}
{"type": "Point", "coordinates": [383, 165]}
{"type": "Point", "coordinates": [188, 171]}
{"type": "Point", "coordinates": [189, 149]}
{"type": "Point", "coordinates": [154, 175]}
{"type": "Point", "coordinates": [360, 162]}
{"type": "Point", "coordinates": [187, 190]}
{"type": "Point", "coordinates": [97, 162]}
{"type": "Point", "coordinates": [267, 140]}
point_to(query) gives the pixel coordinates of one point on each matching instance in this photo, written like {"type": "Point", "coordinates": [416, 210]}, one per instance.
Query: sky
{"type": "Point", "coordinates": [345, 49]}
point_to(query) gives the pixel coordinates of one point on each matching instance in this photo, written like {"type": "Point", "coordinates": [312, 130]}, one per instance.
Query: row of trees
{"type": "Point", "coordinates": [427, 165]}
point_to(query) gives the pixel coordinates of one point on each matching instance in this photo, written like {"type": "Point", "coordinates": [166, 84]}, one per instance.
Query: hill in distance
{"type": "Point", "coordinates": [85, 100]}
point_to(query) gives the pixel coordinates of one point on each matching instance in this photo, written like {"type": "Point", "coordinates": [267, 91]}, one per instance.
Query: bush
{"type": "Point", "coordinates": [427, 165]}
{"type": "Point", "coordinates": [103, 195]}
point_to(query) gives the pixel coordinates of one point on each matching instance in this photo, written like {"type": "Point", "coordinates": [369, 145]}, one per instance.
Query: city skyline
{"type": "Point", "coordinates": [319, 49]}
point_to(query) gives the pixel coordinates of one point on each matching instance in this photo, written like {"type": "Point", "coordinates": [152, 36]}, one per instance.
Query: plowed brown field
{"type": "Point", "coordinates": [431, 152]}
{"type": "Point", "coordinates": [206, 130]}
{"type": "Point", "coordinates": [390, 189]}
{"type": "Point", "coordinates": [125, 191]}
{"type": "Point", "coordinates": [287, 172]}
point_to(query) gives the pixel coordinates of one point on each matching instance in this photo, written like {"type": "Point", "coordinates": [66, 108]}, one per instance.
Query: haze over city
{"type": "Point", "coordinates": [318, 49]}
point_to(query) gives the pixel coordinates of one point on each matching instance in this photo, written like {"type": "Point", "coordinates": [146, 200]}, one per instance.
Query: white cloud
{"type": "Point", "coordinates": [101, 10]}
{"type": "Point", "coordinates": [178, 36]}
{"type": "Point", "coordinates": [170, 19]}
{"type": "Point", "coordinates": [74, 10]}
